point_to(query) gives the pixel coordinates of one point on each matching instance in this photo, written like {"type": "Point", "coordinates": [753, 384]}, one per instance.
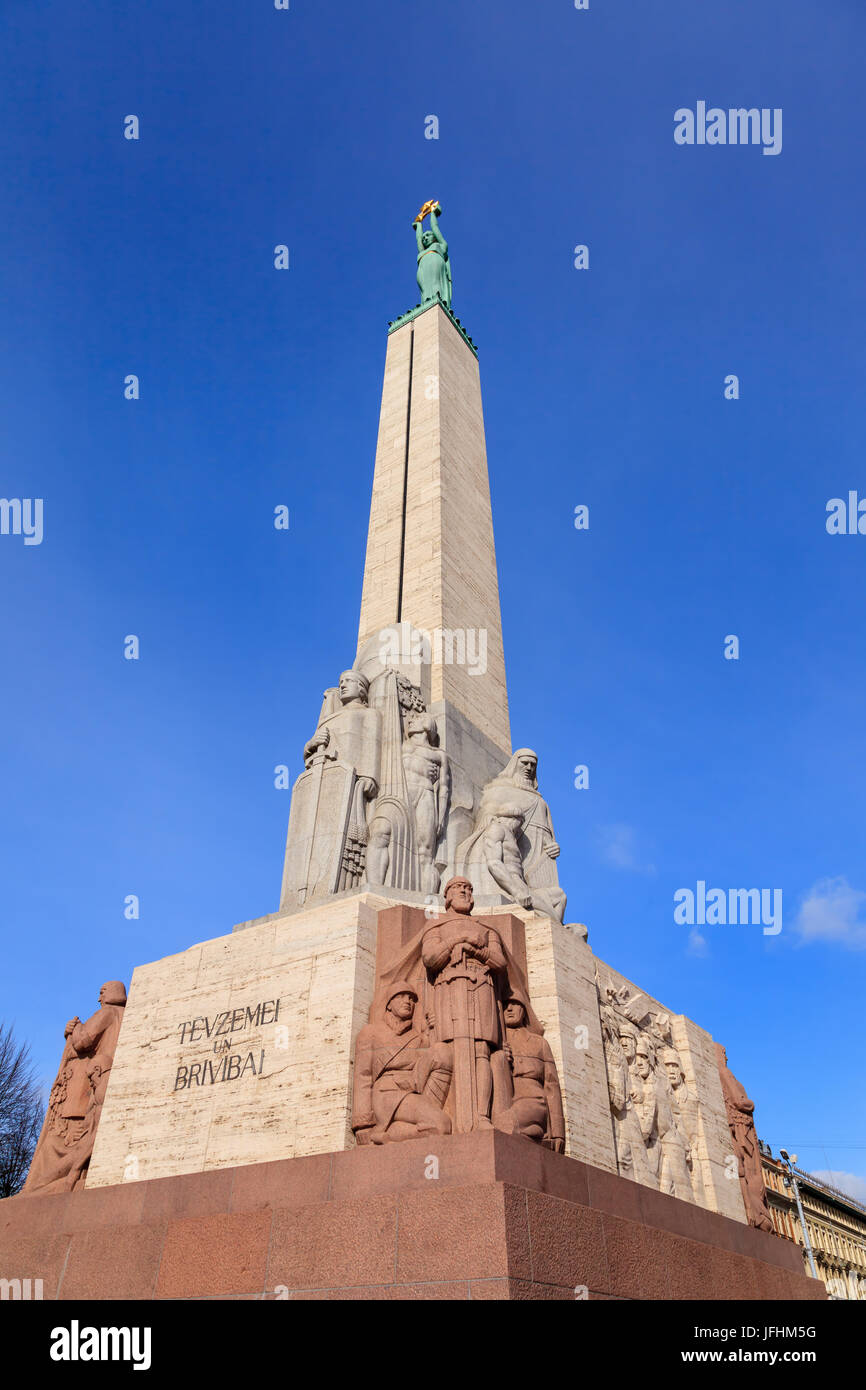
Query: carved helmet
{"type": "Point", "coordinates": [114, 992]}
{"type": "Point", "coordinates": [400, 987]}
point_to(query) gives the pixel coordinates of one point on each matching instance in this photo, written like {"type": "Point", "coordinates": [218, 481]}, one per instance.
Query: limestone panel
{"type": "Point", "coordinates": [239, 1050]}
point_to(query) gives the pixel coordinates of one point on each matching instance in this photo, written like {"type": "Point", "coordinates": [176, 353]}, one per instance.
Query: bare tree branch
{"type": "Point", "coordinates": [21, 1111]}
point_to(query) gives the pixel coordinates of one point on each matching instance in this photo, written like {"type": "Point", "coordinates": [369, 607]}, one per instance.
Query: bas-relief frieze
{"type": "Point", "coordinates": [654, 1114]}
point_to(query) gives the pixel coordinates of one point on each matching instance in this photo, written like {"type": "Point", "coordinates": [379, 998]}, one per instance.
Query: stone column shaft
{"type": "Point", "coordinates": [430, 559]}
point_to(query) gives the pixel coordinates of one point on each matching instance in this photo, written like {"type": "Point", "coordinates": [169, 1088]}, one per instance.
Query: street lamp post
{"type": "Point", "coordinates": [791, 1181]}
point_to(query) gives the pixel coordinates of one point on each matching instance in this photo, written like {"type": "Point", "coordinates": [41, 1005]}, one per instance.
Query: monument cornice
{"type": "Point", "coordinates": [425, 308]}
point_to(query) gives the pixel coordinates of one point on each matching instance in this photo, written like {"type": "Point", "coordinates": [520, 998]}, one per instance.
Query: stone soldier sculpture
{"type": "Point", "coordinates": [465, 962]}
{"type": "Point", "coordinates": [619, 1057]}
{"type": "Point", "coordinates": [66, 1143]}
{"type": "Point", "coordinates": [685, 1109]}
{"type": "Point", "coordinates": [674, 1152]}
{"type": "Point", "coordinates": [644, 1096]}
{"type": "Point", "coordinates": [402, 1075]}
{"type": "Point", "coordinates": [745, 1141]}
{"type": "Point", "coordinates": [526, 1095]}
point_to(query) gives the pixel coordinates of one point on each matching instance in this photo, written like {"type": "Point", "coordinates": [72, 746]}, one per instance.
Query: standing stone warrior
{"type": "Point", "coordinates": [745, 1141]}
{"type": "Point", "coordinates": [465, 962]}
{"type": "Point", "coordinates": [685, 1109]}
{"type": "Point", "coordinates": [627, 1137]}
{"type": "Point", "coordinates": [674, 1151]}
{"type": "Point", "coordinates": [631, 1135]}
{"type": "Point", "coordinates": [402, 1075]}
{"type": "Point", "coordinates": [434, 267]}
{"type": "Point", "coordinates": [326, 844]}
{"type": "Point", "coordinates": [526, 1095]}
{"type": "Point", "coordinates": [490, 850]}
{"type": "Point", "coordinates": [617, 1087]}
{"type": "Point", "coordinates": [427, 780]}
{"type": "Point", "coordinates": [66, 1143]}
{"type": "Point", "coordinates": [645, 1098]}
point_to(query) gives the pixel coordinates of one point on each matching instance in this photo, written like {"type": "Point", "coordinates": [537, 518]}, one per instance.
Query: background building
{"type": "Point", "coordinates": [836, 1224]}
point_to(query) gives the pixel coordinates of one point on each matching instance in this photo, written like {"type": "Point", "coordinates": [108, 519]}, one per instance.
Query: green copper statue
{"type": "Point", "coordinates": [434, 268]}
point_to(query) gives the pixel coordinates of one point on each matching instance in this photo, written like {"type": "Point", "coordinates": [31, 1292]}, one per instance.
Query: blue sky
{"type": "Point", "coordinates": [603, 387]}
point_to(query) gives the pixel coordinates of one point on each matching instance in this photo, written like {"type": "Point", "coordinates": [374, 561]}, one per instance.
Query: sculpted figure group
{"type": "Point", "coordinates": [655, 1117]}
{"type": "Point", "coordinates": [453, 1044]}
{"type": "Point", "coordinates": [372, 806]}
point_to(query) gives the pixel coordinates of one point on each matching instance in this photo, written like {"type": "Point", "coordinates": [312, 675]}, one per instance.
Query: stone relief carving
{"type": "Point", "coordinates": [619, 1052]}
{"type": "Point", "coordinates": [65, 1144]}
{"type": "Point", "coordinates": [685, 1107]}
{"type": "Point", "coordinates": [740, 1110]}
{"type": "Point", "coordinates": [653, 1142]}
{"type": "Point", "coordinates": [512, 848]}
{"type": "Point", "coordinates": [675, 1154]}
{"type": "Point", "coordinates": [452, 1031]}
{"type": "Point", "coordinates": [644, 1096]}
{"type": "Point", "coordinates": [409, 695]}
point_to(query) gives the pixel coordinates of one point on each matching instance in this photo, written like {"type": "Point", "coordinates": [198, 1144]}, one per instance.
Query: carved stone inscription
{"type": "Point", "coordinates": [222, 1027]}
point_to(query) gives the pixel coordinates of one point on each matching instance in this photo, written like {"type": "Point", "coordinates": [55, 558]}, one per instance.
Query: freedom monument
{"type": "Point", "coordinates": [413, 1079]}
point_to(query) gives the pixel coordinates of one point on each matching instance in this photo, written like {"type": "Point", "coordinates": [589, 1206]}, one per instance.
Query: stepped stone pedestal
{"type": "Point", "coordinates": [480, 1216]}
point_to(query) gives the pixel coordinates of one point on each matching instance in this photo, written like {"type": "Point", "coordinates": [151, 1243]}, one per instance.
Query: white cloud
{"type": "Point", "coordinates": [850, 1183]}
{"type": "Point", "coordinates": [834, 911]}
{"type": "Point", "coordinates": [618, 847]}
{"type": "Point", "coordinates": [697, 944]}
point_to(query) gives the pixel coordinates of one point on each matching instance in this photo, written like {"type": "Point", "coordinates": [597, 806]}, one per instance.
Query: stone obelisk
{"type": "Point", "coordinates": [431, 560]}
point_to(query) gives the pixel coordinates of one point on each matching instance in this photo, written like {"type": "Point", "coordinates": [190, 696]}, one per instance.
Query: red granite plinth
{"type": "Point", "coordinates": [464, 1216]}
